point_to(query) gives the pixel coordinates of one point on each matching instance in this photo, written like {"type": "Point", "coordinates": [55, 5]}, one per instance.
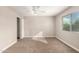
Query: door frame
{"type": "Point", "coordinates": [21, 27]}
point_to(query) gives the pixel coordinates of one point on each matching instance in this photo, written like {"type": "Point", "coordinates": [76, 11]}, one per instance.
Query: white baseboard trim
{"type": "Point", "coordinates": [68, 44]}
{"type": "Point", "coordinates": [39, 36]}
{"type": "Point", "coordinates": [12, 43]}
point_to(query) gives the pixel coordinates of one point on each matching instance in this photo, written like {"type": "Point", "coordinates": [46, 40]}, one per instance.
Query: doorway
{"type": "Point", "coordinates": [18, 28]}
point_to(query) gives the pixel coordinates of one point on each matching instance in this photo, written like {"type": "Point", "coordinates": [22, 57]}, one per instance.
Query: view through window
{"type": "Point", "coordinates": [71, 22]}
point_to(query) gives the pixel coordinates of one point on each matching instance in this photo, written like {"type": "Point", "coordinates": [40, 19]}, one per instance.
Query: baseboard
{"type": "Point", "coordinates": [12, 43]}
{"type": "Point", "coordinates": [40, 37]}
{"type": "Point", "coordinates": [68, 44]}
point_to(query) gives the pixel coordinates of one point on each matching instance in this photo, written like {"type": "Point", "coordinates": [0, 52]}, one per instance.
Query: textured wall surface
{"type": "Point", "coordinates": [35, 24]}
{"type": "Point", "coordinates": [8, 27]}
{"type": "Point", "coordinates": [72, 38]}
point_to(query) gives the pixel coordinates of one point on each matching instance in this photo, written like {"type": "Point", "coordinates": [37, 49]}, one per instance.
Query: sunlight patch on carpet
{"type": "Point", "coordinates": [40, 37]}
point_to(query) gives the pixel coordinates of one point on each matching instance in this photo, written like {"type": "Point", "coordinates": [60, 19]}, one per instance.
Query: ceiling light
{"type": "Point", "coordinates": [35, 9]}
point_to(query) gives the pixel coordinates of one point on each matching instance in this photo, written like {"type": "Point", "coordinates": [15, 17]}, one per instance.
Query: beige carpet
{"type": "Point", "coordinates": [27, 45]}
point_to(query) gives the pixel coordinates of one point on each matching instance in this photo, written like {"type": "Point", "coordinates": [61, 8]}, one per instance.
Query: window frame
{"type": "Point", "coordinates": [70, 22]}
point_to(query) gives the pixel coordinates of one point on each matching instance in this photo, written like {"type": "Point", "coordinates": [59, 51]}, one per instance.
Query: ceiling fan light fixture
{"type": "Point", "coordinates": [35, 9]}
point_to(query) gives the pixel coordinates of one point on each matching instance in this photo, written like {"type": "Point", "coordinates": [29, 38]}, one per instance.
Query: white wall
{"type": "Point", "coordinates": [71, 38]}
{"type": "Point", "coordinates": [8, 29]}
{"type": "Point", "coordinates": [21, 28]}
{"type": "Point", "coordinates": [36, 24]}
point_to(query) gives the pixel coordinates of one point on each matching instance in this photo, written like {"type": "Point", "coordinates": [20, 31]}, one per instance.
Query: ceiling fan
{"type": "Point", "coordinates": [37, 10]}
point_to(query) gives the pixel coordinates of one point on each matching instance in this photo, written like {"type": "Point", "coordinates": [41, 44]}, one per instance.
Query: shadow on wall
{"type": "Point", "coordinates": [40, 37]}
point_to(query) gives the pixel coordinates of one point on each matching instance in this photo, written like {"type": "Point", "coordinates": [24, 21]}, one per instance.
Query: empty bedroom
{"type": "Point", "coordinates": [39, 29]}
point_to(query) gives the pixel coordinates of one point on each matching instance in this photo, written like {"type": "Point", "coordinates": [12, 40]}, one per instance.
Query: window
{"type": "Point", "coordinates": [66, 22]}
{"type": "Point", "coordinates": [71, 22]}
{"type": "Point", "coordinates": [75, 22]}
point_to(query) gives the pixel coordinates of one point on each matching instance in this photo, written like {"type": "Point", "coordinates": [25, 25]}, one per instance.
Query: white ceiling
{"type": "Point", "coordinates": [42, 11]}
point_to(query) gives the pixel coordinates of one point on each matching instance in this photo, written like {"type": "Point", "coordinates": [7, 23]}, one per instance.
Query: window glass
{"type": "Point", "coordinates": [75, 22]}
{"type": "Point", "coordinates": [67, 22]}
